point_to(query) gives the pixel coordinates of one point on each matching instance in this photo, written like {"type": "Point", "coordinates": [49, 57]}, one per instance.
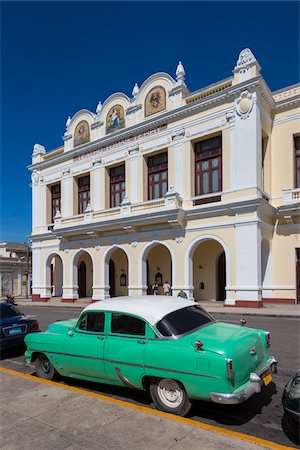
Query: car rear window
{"type": "Point", "coordinates": [185, 320]}
{"type": "Point", "coordinates": [124, 324]}
{"type": "Point", "coordinates": [7, 310]}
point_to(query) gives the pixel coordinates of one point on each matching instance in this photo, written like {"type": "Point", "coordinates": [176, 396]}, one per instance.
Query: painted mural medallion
{"type": "Point", "coordinates": [82, 133]}
{"type": "Point", "coordinates": [155, 101]}
{"type": "Point", "coordinates": [115, 119]}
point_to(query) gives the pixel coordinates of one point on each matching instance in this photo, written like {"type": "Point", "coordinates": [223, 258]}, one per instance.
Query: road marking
{"type": "Point", "coordinates": [204, 426]}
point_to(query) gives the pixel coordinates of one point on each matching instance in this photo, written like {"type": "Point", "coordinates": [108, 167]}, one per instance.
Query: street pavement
{"type": "Point", "coordinates": [38, 413]}
{"type": "Point", "coordinates": [269, 309]}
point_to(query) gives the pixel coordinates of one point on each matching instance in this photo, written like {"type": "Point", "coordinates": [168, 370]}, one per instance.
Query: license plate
{"type": "Point", "coordinates": [14, 331]}
{"type": "Point", "coordinates": [267, 379]}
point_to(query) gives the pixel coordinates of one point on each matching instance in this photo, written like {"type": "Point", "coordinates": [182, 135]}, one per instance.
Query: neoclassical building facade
{"type": "Point", "coordinates": [200, 189]}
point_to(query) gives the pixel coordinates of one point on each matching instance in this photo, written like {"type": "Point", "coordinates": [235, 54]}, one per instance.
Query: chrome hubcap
{"type": "Point", "coordinates": [170, 393]}
{"type": "Point", "coordinates": [45, 366]}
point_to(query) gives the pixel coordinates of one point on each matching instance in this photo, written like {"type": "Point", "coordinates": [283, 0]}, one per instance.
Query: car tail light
{"type": "Point", "coordinates": [229, 368]}
{"type": "Point", "coordinates": [34, 326]}
{"type": "Point", "coordinates": [199, 345]}
{"type": "Point", "coordinates": [268, 338]}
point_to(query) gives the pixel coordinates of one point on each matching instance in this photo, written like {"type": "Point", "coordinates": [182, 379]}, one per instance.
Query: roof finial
{"type": "Point", "coordinates": [99, 107]}
{"type": "Point", "coordinates": [135, 90]}
{"type": "Point", "coordinates": [245, 57]}
{"type": "Point", "coordinates": [180, 73]}
{"type": "Point", "coordinates": [68, 122]}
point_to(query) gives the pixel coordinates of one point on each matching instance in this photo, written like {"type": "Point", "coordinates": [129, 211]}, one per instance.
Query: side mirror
{"type": "Point", "coordinates": [70, 332]}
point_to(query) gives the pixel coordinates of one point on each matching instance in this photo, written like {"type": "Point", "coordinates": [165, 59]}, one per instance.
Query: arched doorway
{"type": "Point", "coordinates": [54, 275]}
{"type": "Point", "coordinates": [112, 278]}
{"type": "Point", "coordinates": [84, 274]}
{"type": "Point", "coordinates": [209, 270]}
{"type": "Point", "coordinates": [221, 277]}
{"type": "Point", "coordinates": [158, 267]}
{"type": "Point", "coordinates": [117, 272]}
{"type": "Point", "coordinates": [82, 280]}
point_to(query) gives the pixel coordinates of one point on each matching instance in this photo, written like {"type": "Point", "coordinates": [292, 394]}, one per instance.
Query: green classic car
{"type": "Point", "coordinates": [168, 345]}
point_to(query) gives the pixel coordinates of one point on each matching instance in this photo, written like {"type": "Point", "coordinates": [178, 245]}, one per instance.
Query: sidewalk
{"type": "Point", "coordinates": [269, 309]}
{"type": "Point", "coordinates": [38, 414]}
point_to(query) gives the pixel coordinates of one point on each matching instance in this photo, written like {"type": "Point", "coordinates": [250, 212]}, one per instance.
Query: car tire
{"type": "Point", "coordinates": [44, 368]}
{"type": "Point", "coordinates": [169, 396]}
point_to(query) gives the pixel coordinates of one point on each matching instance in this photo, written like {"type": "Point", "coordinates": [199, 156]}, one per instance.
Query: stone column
{"type": "Point", "coordinates": [178, 160]}
{"type": "Point", "coordinates": [97, 185]}
{"type": "Point", "coordinates": [20, 282]}
{"type": "Point", "coordinates": [247, 142]}
{"type": "Point", "coordinates": [248, 265]}
{"type": "Point", "coordinates": [67, 193]}
{"type": "Point", "coordinates": [70, 285]}
{"type": "Point", "coordinates": [134, 174]}
{"type": "Point", "coordinates": [38, 291]}
{"type": "Point", "coordinates": [37, 208]}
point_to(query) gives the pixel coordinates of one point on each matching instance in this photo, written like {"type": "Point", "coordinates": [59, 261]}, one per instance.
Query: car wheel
{"type": "Point", "coordinates": [169, 396]}
{"type": "Point", "coordinates": [44, 368]}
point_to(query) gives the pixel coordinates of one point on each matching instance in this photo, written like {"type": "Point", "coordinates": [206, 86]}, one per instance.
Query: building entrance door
{"type": "Point", "coordinates": [298, 275]}
{"type": "Point", "coordinates": [82, 280]}
{"type": "Point", "coordinates": [112, 277]}
{"type": "Point", "coordinates": [221, 281]}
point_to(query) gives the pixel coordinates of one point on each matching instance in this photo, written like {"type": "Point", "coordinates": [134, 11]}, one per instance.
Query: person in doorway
{"type": "Point", "coordinates": [167, 288]}
{"type": "Point", "coordinates": [155, 289]}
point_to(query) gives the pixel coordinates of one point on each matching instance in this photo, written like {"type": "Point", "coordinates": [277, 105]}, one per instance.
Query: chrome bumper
{"type": "Point", "coordinates": [252, 388]}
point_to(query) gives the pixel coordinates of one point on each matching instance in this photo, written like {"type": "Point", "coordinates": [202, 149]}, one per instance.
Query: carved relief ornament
{"type": "Point", "coordinates": [178, 134]}
{"type": "Point", "coordinates": [244, 104]}
{"type": "Point", "coordinates": [35, 177]}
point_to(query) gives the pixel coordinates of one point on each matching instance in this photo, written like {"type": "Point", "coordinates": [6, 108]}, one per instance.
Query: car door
{"type": "Point", "coordinates": [84, 347]}
{"type": "Point", "coordinates": [124, 349]}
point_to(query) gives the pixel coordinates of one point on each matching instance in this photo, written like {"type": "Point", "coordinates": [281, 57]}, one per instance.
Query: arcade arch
{"type": "Point", "coordinates": [156, 267]}
{"type": "Point", "coordinates": [54, 274]}
{"type": "Point", "coordinates": [208, 269]}
{"type": "Point", "coordinates": [83, 274]}
{"type": "Point", "coordinates": [116, 272]}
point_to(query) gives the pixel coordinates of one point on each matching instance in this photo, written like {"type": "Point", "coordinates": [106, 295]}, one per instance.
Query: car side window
{"type": "Point", "coordinates": [124, 324]}
{"type": "Point", "coordinates": [92, 322]}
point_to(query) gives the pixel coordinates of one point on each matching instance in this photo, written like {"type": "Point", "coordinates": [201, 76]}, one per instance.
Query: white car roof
{"type": "Point", "coordinates": [152, 308]}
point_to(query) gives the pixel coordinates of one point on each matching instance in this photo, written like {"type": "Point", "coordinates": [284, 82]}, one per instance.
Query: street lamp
{"type": "Point", "coordinates": [24, 258]}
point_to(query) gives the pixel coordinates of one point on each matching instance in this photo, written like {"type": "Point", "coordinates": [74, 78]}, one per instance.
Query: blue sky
{"type": "Point", "coordinates": [60, 57]}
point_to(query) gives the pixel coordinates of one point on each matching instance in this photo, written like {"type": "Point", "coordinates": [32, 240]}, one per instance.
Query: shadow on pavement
{"type": "Point", "coordinates": [291, 429]}
{"type": "Point", "coordinates": [12, 352]}
{"type": "Point", "coordinates": [235, 414]}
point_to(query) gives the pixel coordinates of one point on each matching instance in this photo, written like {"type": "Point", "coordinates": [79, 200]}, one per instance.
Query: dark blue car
{"type": "Point", "coordinates": [14, 325]}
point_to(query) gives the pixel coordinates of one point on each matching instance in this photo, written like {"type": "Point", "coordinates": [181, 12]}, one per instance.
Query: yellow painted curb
{"type": "Point", "coordinates": [204, 426]}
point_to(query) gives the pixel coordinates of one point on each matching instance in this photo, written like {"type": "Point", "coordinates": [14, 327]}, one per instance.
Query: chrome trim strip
{"type": "Point", "coordinates": [126, 381]}
{"type": "Point", "coordinates": [125, 363]}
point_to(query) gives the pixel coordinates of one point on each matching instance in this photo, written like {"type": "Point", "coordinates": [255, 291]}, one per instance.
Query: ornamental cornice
{"type": "Point", "coordinates": [96, 125]}
{"type": "Point", "coordinates": [66, 137]}
{"type": "Point", "coordinates": [287, 103]}
{"type": "Point", "coordinates": [113, 224]}
{"type": "Point", "coordinates": [190, 109]}
{"type": "Point", "coordinates": [133, 109]}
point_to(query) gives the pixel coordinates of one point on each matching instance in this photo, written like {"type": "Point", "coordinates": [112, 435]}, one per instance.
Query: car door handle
{"type": "Point", "coordinates": [100, 338]}
{"type": "Point", "coordinates": [142, 341]}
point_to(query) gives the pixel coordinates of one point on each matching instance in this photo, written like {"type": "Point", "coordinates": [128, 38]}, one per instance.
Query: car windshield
{"type": "Point", "coordinates": [183, 321]}
{"type": "Point", "coordinates": [7, 310]}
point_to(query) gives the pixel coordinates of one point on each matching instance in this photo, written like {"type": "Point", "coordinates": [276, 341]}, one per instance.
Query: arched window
{"type": "Point", "coordinates": [115, 119]}
{"type": "Point", "coordinates": [82, 133]}
{"type": "Point", "coordinates": [155, 101]}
